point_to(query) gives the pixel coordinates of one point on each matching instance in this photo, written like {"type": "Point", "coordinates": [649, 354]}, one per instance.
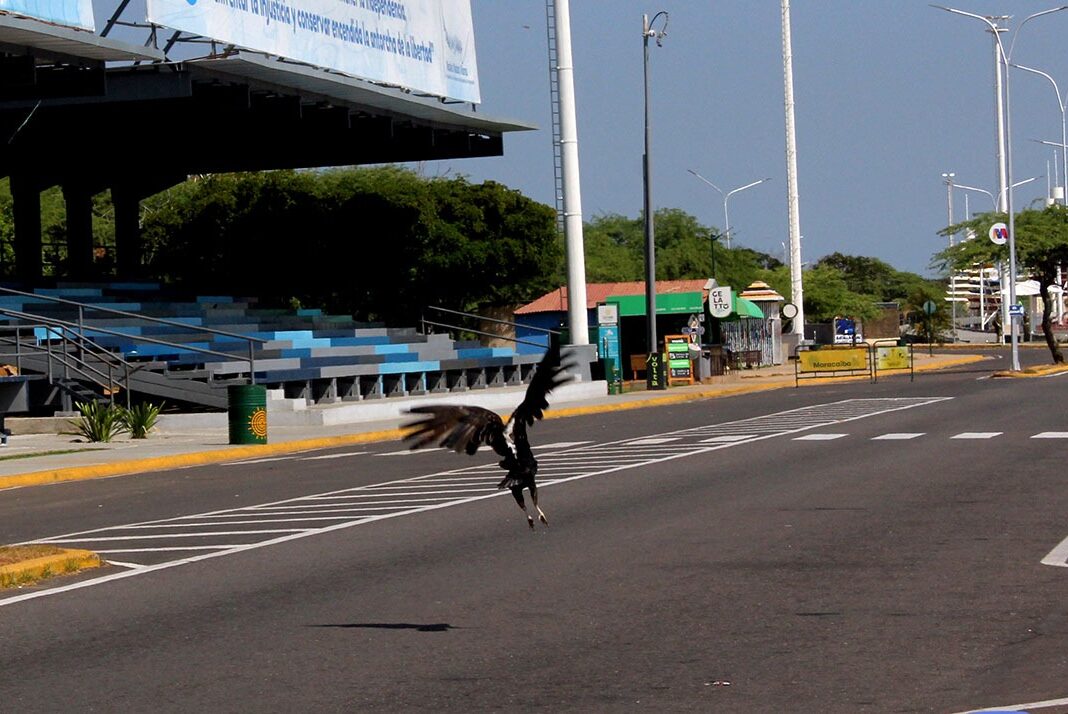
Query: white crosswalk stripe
{"type": "Point", "coordinates": [820, 437]}
{"type": "Point", "coordinates": [897, 436]}
{"type": "Point", "coordinates": [976, 435]}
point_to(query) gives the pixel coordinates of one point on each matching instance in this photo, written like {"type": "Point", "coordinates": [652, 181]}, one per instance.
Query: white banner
{"type": "Point", "coordinates": [423, 45]}
{"type": "Point", "coordinates": [73, 13]}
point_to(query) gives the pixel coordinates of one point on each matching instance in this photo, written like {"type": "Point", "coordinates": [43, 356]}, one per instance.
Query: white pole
{"type": "Point", "coordinates": [577, 318]}
{"type": "Point", "coordinates": [953, 275]}
{"type": "Point", "coordinates": [796, 287]}
{"type": "Point", "coordinates": [999, 106]}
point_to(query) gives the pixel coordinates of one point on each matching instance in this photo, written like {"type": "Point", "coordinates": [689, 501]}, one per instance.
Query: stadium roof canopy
{"type": "Point", "coordinates": [71, 116]}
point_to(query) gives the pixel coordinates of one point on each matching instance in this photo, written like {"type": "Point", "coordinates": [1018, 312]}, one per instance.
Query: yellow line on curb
{"type": "Point", "coordinates": [27, 571]}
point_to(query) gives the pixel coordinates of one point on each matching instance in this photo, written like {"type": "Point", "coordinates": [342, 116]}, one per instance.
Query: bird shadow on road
{"type": "Point", "coordinates": [424, 627]}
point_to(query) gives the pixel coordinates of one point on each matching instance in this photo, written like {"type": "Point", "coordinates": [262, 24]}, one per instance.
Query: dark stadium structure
{"type": "Point", "coordinates": [88, 113]}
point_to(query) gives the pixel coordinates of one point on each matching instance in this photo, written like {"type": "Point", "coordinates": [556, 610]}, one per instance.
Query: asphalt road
{"type": "Point", "coordinates": [848, 551]}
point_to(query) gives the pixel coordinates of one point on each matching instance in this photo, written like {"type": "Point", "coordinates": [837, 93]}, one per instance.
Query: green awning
{"type": "Point", "coordinates": [666, 303]}
{"type": "Point", "coordinates": [745, 308]}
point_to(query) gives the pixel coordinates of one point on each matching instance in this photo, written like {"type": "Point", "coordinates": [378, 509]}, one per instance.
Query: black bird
{"type": "Point", "coordinates": [465, 428]}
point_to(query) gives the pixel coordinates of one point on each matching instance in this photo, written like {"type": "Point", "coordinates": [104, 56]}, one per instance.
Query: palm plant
{"type": "Point", "coordinates": [141, 419]}
{"type": "Point", "coordinates": [99, 422]}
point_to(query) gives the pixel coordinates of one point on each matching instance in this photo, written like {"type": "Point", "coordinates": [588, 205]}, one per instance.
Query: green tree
{"type": "Point", "coordinates": [378, 243]}
{"type": "Point", "coordinates": [1041, 245]}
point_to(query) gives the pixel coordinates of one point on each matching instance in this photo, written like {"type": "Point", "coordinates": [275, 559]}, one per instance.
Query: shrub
{"type": "Point", "coordinates": [141, 419]}
{"type": "Point", "coordinates": [99, 422]}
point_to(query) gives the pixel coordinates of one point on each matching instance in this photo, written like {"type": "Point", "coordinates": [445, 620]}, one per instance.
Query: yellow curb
{"type": "Point", "coordinates": [28, 571]}
{"type": "Point", "coordinates": [237, 453]}
{"type": "Point", "coordinates": [1041, 371]}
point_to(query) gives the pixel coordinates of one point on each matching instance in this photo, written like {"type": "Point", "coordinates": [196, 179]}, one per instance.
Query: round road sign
{"type": "Point", "coordinates": [999, 233]}
{"type": "Point", "coordinates": [789, 311]}
{"type": "Point", "coordinates": [930, 307]}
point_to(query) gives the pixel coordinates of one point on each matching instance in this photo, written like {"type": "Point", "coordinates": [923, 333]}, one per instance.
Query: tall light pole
{"type": "Point", "coordinates": [650, 244]}
{"type": "Point", "coordinates": [577, 320]}
{"type": "Point", "coordinates": [726, 196]}
{"type": "Point", "coordinates": [792, 200]}
{"type": "Point", "coordinates": [948, 180]}
{"type": "Point", "coordinates": [1062, 104]}
{"type": "Point", "coordinates": [1003, 58]}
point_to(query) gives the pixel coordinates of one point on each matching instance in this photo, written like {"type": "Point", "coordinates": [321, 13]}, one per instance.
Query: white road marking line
{"type": "Point", "coordinates": [727, 438]}
{"type": "Point", "coordinates": [162, 550]}
{"type": "Point", "coordinates": [1058, 557]}
{"type": "Point", "coordinates": [653, 441]}
{"type": "Point", "coordinates": [977, 435]}
{"type": "Point", "coordinates": [901, 405]}
{"type": "Point", "coordinates": [898, 436]}
{"type": "Point", "coordinates": [1051, 435]}
{"type": "Point", "coordinates": [121, 564]}
{"type": "Point", "coordinates": [256, 461]}
{"type": "Point", "coordinates": [256, 522]}
{"type": "Point", "coordinates": [409, 452]}
{"type": "Point", "coordinates": [1020, 707]}
{"type": "Point", "coordinates": [101, 539]}
{"type": "Point", "coordinates": [819, 437]}
{"type": "Point", "coordinates": [561, 445]}
{"type": "Point", "coordinates": [333, 456]}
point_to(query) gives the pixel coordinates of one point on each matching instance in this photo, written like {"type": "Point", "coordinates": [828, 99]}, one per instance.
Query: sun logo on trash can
{"type": "Point", "coordinates": [257, 423]}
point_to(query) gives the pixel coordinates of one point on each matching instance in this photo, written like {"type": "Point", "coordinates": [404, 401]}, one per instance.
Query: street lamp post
{"type": "Point", "coordinates": [948, 178]}
{"type": "Point", "coordinates": [726, 196]}
{"type": "Point", "coordinates": [1062, 103]}
{"type": "Point", "coordinates": [650, 245]}
{"type": "Point", "coordinates": [1003, 58]}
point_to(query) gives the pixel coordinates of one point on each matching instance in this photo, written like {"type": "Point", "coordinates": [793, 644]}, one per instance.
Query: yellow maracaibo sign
{"type": "Point", "coordinates": [833, 360]}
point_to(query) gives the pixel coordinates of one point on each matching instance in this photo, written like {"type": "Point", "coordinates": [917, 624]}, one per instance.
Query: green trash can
{"type": "Point", "coordinates": [247, 407]}
{"type": "Point", "coordinates": [612, 375]}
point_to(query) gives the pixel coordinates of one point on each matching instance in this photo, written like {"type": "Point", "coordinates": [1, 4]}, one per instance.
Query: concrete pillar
{"type": "Point", "coordinates": [129, 247]}
{"type": "Point", "coordinates": [26, 199]}
{"type": "Point", "coordinates": [79, 231]}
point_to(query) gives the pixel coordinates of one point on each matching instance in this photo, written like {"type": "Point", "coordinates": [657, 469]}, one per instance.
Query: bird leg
{"type": "Point", "coordinates": [534, 498]}
{"type": "Point", "coordinates": [517, 493]}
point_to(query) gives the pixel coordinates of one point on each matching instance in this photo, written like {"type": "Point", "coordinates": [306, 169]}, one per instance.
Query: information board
{"type": "Point", "coordinates": [680, 368]}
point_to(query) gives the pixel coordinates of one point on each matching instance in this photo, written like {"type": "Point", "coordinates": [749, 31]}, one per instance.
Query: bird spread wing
{"type": "Point", "coordinates": [549, 375]}
{"type": "Point", "coordinates": [465, 428]}
{"type": "Point", "coordinates": [460, 428]}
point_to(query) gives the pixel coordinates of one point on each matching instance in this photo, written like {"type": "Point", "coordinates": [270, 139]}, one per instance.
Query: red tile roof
{"type": "Point", "coordinates": [556, 301]}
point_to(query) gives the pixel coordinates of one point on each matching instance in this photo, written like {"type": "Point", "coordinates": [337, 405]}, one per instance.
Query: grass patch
{"type": "Point", "coordinates": [57, 452]}
{"type": "Point", "coordinates": [10, 554]}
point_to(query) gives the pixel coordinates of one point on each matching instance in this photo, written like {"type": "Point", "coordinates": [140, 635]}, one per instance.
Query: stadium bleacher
{"type": "Point", "coordinates": [299, 354]}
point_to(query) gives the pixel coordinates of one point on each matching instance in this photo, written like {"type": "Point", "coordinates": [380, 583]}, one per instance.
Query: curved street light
{"type": "Point", "coordinates": [650, 246]}
{"type": "Point", "coordinates": [1062, 103]}
{"type": "Point", "coordinates": [726, 218]}
{"type": "Point", "coordinates": [993, 198]}
{"type": "Point", "coordinates": [1005, 138]}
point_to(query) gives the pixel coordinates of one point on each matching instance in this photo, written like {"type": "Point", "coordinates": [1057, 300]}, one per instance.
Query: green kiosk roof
{"type": "Point", "coordinates": [666, 303]}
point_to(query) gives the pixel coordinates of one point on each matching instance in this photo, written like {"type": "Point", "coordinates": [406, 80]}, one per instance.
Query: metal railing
{"type": "Point", "coordinates": [424, 322]}
{"type": "Point", "coordinates": [64, 360]}
{"type": "Point", "coordinates": [82, 307]}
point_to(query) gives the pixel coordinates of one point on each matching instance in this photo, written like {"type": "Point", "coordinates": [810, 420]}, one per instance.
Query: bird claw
{"type": "Point", "coordinates": [530, 522]}
{"type": "Point", "coordinates": [543, 519]}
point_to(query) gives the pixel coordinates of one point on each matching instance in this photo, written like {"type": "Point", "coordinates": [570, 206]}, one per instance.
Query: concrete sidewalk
{"type": "Point", "coordinates": [191, 440]}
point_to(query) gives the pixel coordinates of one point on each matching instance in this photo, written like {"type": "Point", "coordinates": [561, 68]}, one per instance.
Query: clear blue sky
{"type": "Point", "coordinates": [888, 96]}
